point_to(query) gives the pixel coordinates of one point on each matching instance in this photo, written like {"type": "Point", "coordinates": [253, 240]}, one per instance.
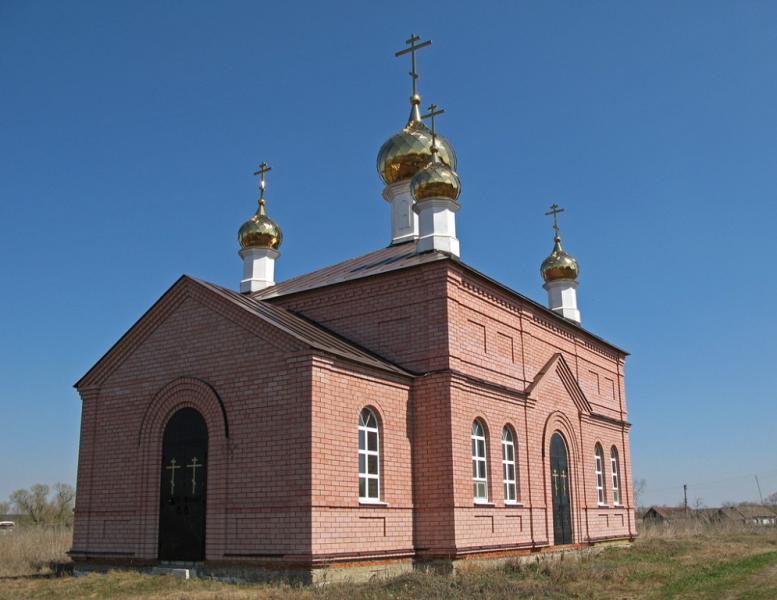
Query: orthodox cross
{"type": "Point", "coordinates": [263, 168]}
{"type": "Point", "coordinates": [412, 50]}
{"type": "Point", "coordinates": [555, 482]}
{"type": "Point", "coordinates": [172, 467]}
{"type": "Point", "coordinates": [433, 112]}
{"type": "Point", "coordinates": [194, 466]}
{"type": "Point", "coordinates": [563, 482]}
{"type": "Point", "coordinates": [554, 210]}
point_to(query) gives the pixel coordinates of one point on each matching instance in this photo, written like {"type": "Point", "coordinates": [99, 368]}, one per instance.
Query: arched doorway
{"type": "Point", "coordinates": [182, 487]}
{"type": "Point", "coordinates": [560, 483]}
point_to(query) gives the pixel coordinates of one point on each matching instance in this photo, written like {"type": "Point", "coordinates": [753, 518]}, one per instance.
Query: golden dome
{"type": "Point", "coordinates": [434, 181]}
{"type": "Point", "coordinates": [410, 150]}
{"type": "Point", "coordinates": [260, 231]}
{"type": "Point", "coordinates": [559, 265]}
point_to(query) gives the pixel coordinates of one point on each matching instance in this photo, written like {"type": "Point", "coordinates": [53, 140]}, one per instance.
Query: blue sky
{"type": "Point", "coordinates": [129, 131]}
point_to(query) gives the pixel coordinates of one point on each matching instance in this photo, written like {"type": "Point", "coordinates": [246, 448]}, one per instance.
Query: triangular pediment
{"type": "Point", "coordinates": [290, 332]}
{"type": "Point", "coordinates": [558, 366]}
{"type": "Point", "coordinates": [185, 288]}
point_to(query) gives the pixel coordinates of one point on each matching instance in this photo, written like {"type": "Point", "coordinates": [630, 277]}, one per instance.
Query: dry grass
{"type": "Point", "coordinates": [693, 561]}
{"type": "Point", "coordinates": [33, 550]}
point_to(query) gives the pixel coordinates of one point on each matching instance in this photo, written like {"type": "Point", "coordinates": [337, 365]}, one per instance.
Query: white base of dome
{"type": "Point", "coordinates": [437, 226]}
{"type": "Point", "coordinates": [562, 298]}
{"type": "Point", "coordinates": [258, 269]}
{"type": "Point", "coordinates": [404, 221]}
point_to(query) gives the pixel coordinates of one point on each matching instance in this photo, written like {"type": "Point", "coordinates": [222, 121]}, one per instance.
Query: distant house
{"type": "Point", "coordinates": [751, 514]}
{"type": "Point", "coordinates": [668, 514]}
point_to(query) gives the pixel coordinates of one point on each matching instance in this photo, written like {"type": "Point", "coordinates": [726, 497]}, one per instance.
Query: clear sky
{"type": "Point", "coordinates": [129, 131]}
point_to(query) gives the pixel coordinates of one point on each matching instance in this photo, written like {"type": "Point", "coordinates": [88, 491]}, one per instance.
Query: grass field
{"type": "Point", "coordinates": [703, 562]}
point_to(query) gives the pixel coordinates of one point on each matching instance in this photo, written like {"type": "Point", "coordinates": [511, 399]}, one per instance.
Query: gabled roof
{"type": "Point", "coordinates": [385, 260]}
{"type": "Point", "coordinates": [558, 364]}
{"type": "Point", "coordinates": [749, 511]}
{"type": "Point", "coordinates": [395, 258]}
{"type": "Point", "coordinates": [310, 333]}
{"type": "Point", "coordinates": [672, 512]}
{"type": "Point", "coordinates": [303, 330]}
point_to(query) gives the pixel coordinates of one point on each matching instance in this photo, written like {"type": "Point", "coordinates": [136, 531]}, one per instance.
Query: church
{"type": "Point", "coordinates": [396, 408]}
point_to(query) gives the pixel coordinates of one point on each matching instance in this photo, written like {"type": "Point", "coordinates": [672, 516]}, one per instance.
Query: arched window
{"type": "Point", "coordinates": [479, 470]}
{"type": "Point", "coordinates": [599, 474]}
{"type": "Point", "coordinates": [509, 477]}
{"type": "Point", "coordinates": [615, 468]}
{"type": "Point", "coordinates": [369, 457]}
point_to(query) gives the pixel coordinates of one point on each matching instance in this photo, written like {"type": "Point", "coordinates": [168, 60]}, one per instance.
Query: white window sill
{"type": "Point", "coordinates": [513, 503]}
{"type": "Point", "coordinates": [484, 503]}
{"type": "Point", "coordinates": [617, 505]}
{"type": "Point", "coordinates": [368, 502]}
{"type": "Point", "coordinates": [602, 505]}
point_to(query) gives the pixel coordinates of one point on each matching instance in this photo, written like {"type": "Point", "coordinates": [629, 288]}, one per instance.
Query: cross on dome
{"type": "Point", "coordinates": [412, 50]}
{"type": "Point", "coordinates": [263, 168]}
{"type": "Point", "coordinates": [415, 99]}
{"type": "Point", "coordinates": [555, 209]}
{"type": "Point", "coordinates": [559, 265]}
{"type": "Point", "coordinates": [433, 112]}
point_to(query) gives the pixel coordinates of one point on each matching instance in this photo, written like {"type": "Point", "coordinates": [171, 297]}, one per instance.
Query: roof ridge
{"type": "Point", "coordinates": [306, 330]}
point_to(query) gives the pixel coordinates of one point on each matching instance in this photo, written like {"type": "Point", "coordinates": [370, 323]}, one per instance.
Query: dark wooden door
{"type": "Point", "coordinates": [559, 481]}
{"type": "Point", "coordinates": [182, 487]}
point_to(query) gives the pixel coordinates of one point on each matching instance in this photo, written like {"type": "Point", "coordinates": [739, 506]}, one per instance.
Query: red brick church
{"type": "Point", "coordinates": [393, 408]}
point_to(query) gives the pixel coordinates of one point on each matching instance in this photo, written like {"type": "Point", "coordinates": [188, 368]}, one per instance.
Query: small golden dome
{"type": "Point", "coordinates": [409, 151]}
{"type": "Point", "coordinates": [260, 231]}
{"type": "Point", "coordinates": [436, 180]}
{"type": "Point", "coordinates": [559, 265]}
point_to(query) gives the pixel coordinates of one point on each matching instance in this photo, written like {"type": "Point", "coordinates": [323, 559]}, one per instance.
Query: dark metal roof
{"type": "Point", "coordinates": [395, 258]}
{"type": "Point", "coordinates": [306, 331]}
{"type": "Point", "coordinates": [385, 260]}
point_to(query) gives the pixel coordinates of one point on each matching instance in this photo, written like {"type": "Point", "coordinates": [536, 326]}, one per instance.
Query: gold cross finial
{"type": "Point", "coordinates": [555, 210]}
{"type": "Point", "coordinates": [413, 48]}
{"type": "Point", "coordinates": [433, 112]}
{"type": "Point", "coordinates": [263, 168]}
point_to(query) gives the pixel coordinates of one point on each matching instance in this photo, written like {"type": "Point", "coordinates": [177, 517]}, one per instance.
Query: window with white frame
{"type": "Point", "coordinates": [599, 474]}
{"type": "Point", "coordinates": [369, 457]}
{"type": "Point", "coordinates": [614, 467]}
{"type": "Point", "coordinates": [479, 470]}
{"type": "Point", "coordinates": [509, 478]}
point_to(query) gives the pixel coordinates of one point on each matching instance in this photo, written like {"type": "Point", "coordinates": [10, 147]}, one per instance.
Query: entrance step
{"type": "Point", "coordinates": [179, 572]}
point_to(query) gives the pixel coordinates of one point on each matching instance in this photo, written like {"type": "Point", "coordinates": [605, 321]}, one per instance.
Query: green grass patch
{"type": "Point", "coordinates": [711, 581]}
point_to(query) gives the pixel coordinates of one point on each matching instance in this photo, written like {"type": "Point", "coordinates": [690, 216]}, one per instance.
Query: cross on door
{"type": "Point", "coordinates": [172, 467]}
{"type": "Point", "coordinates": [194, 465]}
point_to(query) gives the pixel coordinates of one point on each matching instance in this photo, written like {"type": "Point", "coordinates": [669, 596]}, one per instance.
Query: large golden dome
{"type": "Point", "coordinates": [410, 150]}
{"type": "Point", "coordinates": [436, 180]}
{"type": "Point", "coordinates": [260, 231]}
{"type": "Point", "coordinates": [559, 265]}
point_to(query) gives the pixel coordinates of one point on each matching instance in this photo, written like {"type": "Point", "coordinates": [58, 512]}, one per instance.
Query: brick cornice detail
{"type": "Point", "coordinates": [519, 307]}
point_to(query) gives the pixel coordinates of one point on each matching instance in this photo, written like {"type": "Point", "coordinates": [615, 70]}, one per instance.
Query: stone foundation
{"type": "Point", "coordinates": [354, 572]}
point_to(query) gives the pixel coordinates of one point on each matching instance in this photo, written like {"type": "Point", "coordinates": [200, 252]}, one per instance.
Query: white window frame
{"type": "Point", "coordinates": [510, 482]}
{"type": "Point", "coordinates": [615, 468]}
{"type": "Point", "coordinates": [369, 431]}
{"type": "Point", "coordinates": [479, 463]}
{"type": "Point", "coordinates": [599, 467]}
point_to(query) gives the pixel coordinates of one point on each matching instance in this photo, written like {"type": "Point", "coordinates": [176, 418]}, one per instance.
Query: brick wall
{"type": "Point", "coordinates": [196, 350]}
{"type": "Point", "coordinates": [282, 420]}
{"type": "Point", "coordinates": [342, 526]}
